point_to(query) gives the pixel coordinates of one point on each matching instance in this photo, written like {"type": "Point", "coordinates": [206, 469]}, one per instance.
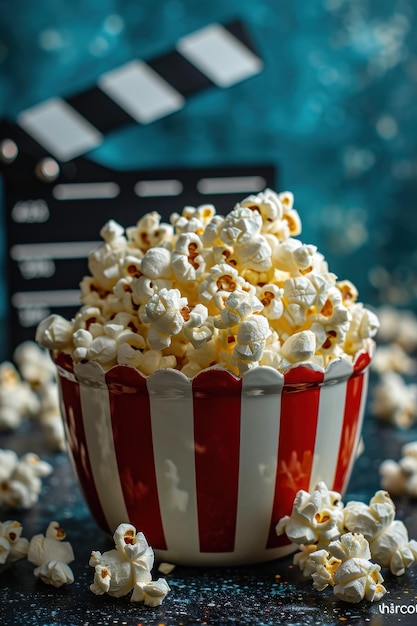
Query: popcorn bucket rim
{"type": "Point", "coordinates": [297, 377]}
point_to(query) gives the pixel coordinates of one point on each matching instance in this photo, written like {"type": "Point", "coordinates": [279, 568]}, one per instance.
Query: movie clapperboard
{"type": "Point", "coordinates": [56, 200]}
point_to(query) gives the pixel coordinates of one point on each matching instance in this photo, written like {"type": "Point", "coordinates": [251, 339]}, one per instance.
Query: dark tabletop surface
{"type": "Point", "coordinates": [261, 595]}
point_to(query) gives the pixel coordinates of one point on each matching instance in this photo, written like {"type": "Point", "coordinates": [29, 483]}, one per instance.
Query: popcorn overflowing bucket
{"type": "Point", "coordinates": [205, 467]}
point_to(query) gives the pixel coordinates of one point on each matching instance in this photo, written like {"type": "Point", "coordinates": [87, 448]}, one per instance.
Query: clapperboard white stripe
{"type": "Point", "coordinates": [141, 92]}
{"type": "Point", "coordinates": [160, 188]}
{"type": "Point", "coordinates": [230, 184]}
{"type": "Point", "coordinates": [61, 250]}
{"type": "Point", "coordinates": [84, 191]}
{"type": "Point", "coordinates": [60, 129]}
{"type": "Point", "coordinates": [136, 91]}
{"type": "Point", "coordinates": [219, 55]}
{"type": "Point", "coordinates": [50, 298]}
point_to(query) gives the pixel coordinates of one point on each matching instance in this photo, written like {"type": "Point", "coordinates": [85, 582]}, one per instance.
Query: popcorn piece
{"type": "Point", "coordinates": [152, 593]}
{"type": "Point", "coordinates": [254, 254]}
{"type": "Point", "coordinates": [364, 325]}
{"type": "Point", "coordinates": [198, 329]}
{"type": "Point", "coordinates": [187, 260]}
{"type": "Point", "coordinates": [321, 567]}
{"type": "Point", "coordinates": [395, 401]}
{"type": "Point", "coordinates": [55, 573]}
{"type": "Point", "coordinates": [54, 332]}
{"type": "Point", "coordinates": [392, 358]}
{"type": "Point", "coordinates": [21, 479]}
{"type": "Point", "coordinates": [250, 341]}
{"type": "Point", "coordinates": [295, 257]}
{"type": "Point", "coordinates": [103, 349]}
{"type": "Point", "coordinates": [316, 518]}
{"type": "Point", "coordinates": [221, 277]}
{"type": "Point", "coordinates": [150, 232]}
{"type": "Point", "coordinates": [398, 326]}
{"type": "Point", "coordinates": [35, 365]}
{"type": "Point", "coordinates": [17, 400]}
{"type": "Point", "coordinates": [165, 313]}
{"type": "Point", "coordinates": [240, 226]}
{"type": "Point", "coordinates": [166, 568]}
{"type": "Point", "coordinates": [271, 297]}
{"type": "Point", "coordinates": [192, 219]}
{"type": "Point", "coordinates": [127, 568]}
{"type": "Point", "coordinates": [52, 556]}
{"type": "Point", "coordinates": [267, 204]}
{"type": "Point", "coordinates": [299, 347]}
{"type": "Point", "coordinates": [157, 263]}
{"type": "Point", "coordinates": [236, 307]}
{"type": "Point", "coordinates": [401, 477]}
{"type": "Point", "coordinates": [13, 546]}
{"type": "Point", "coordinates": [356, 577]}
{"type": "Point", "coordinates": [43, 549]}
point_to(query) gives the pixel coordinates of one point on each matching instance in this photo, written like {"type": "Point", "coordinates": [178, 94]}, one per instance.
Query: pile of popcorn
{"type": "Point", "coordinates": [204, 290]}
{"type": "Point", "coordinates": [337, 542]}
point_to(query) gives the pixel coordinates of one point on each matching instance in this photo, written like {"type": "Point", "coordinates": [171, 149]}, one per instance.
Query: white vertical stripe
{"type": "Point", "coordinates": [223, 58]}
{"type": "Point", "coordinates": [360, 423]}
{"type": "Point", "coordinates": [260, 416]}
{"type": "Point", "coordinates": [172, 417]}
{"type": "Point", "coordinates": [140, 91]}
{"type": "Point", "coordinates": [330, 423]}
{"type": "Point", "coordinates": [60, 129]}
{"type": "Point", "coordinates": [95, 406]}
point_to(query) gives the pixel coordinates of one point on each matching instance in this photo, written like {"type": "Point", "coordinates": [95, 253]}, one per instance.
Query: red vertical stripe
{"type": "Point", "coordinates": [349, 430]}
{"type": "Point", "coordinates": [77, 442]}
{"type": "Point", "coordinates": [217, 443]}
{"type": "Point", "coordinates": [132, 436]}
{"type": "Point", "coordinates": [297, 435]}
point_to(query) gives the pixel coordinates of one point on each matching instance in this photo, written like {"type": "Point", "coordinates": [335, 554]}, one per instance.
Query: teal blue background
{"type": "Point", "coordinates": [335, 109]}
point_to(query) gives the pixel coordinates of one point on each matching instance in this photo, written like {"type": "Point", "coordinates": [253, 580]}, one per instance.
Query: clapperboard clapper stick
{"type": "Point", "coordinates": [56, 200]}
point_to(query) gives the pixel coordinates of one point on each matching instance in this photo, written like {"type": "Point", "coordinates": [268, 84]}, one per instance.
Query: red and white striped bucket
{"type": "Point", "coordinates": [206, 467]}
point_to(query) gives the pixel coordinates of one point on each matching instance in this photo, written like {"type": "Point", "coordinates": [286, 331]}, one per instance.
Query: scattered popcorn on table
{"type": "Point", "coordinates": [17, 400]}
{"type": "Point", "coordinates": [394, 394]}
{"type": "Point", "coordinates": [394, 401]}
{"type": "Point", "coordinates": [31, 391]}
{"type": "Point", "coordinates": [356, 577]}
{"type": "Point", "coordinates": [51, 554]}
{"type": "Point", "coordinates": [399, 327]}
{"type": "Point", "coordinates": [127, 568]}
{"type": "Point", "coordinates": [13, 546]}
{"type": "Point", "coordinates": [401, 477]}
{"type": "Point", "coordinates": [353, 535]}
{"type": "Point", "coordinates": [235, 291]}
{"type": "Point", "coordinates": [20, 479]}
{"type": "Point", "coordinates": [387, 537]}
{"type": "Point", "coordinates": [316, 518]}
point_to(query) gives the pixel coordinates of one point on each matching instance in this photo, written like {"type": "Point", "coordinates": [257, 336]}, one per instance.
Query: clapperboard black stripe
{"type": "Point", "coordinates": [56, 200]}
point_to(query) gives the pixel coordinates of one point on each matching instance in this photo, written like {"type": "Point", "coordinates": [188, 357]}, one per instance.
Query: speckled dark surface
{"type": "Point", "coordinates": [262, 595]}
